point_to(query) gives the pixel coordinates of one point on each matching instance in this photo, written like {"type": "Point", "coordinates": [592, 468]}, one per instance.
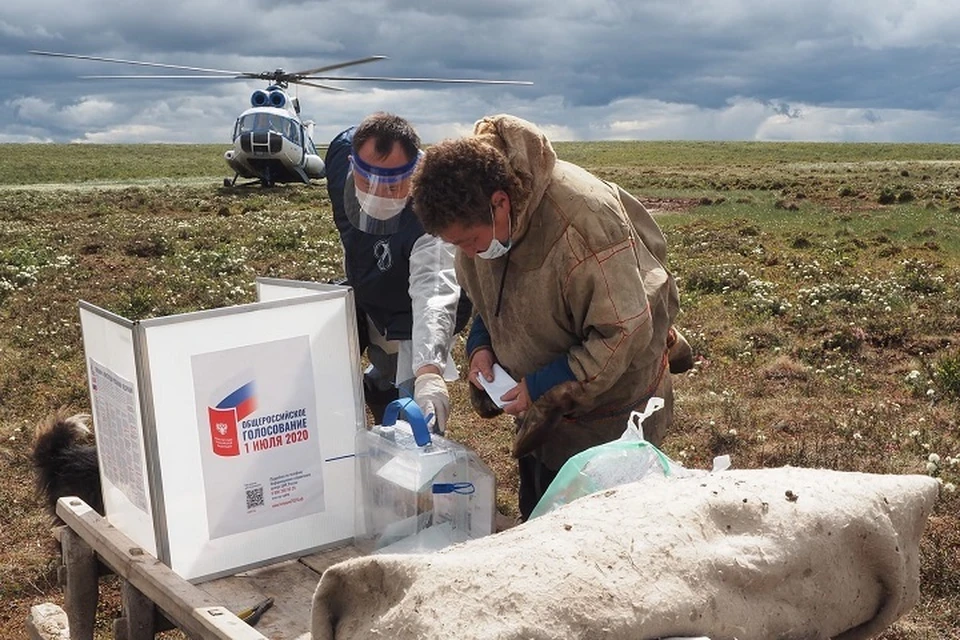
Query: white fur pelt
{"type": "Point", "coordinates": [782, 553]}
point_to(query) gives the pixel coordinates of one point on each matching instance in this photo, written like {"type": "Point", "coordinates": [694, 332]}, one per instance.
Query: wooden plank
{"type": "Point", "coordinates": [290, 584]}
{"type": "Point", "coordinates": [82, 585]}
{"type": "Point", "coordinates": [322, 560]}
{"type": "Point", "coordinates": [193, 610]}
{"type": "Point", "coordinates": [502, 522]}
{"type": "Point", "coordinates": [139, 621]}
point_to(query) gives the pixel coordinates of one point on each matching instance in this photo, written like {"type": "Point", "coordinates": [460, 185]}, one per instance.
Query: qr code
{"type": "Point", "coordinates": [254, 497]}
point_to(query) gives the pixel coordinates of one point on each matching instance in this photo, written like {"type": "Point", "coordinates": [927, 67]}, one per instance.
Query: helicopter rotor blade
{"type": "Point", "coordinates": [434, 80]}
{"type": "Point", "coordinates": [277, 76]}
{"type": "Point", "coordinates": [162, 77]}
{"type": "Point", "coordinates": [316, 84]}
{"type": "Point", "coordinates": [133, 62]}
{"type": "Point", "coordinates": [340, 65]}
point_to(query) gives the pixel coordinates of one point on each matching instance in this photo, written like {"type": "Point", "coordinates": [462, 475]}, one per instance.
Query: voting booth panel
{"type": "Point", "coordinates": [108, 342]}
{"type": "Point", "coordinates": [240, 421]}
{"type": "Point", "coordinates": [271, 289]}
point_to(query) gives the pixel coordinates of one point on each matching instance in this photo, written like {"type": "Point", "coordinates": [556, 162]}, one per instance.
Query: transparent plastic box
{"type": "Point", "coordinates": [418, 492]}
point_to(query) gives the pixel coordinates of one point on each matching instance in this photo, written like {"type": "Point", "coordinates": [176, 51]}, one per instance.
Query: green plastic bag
{"type": "Point", "coordinates": [628, 459]}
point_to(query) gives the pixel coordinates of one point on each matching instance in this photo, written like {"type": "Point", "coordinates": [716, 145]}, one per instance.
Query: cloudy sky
{"type": "Point", "coordinates": [831, 70]}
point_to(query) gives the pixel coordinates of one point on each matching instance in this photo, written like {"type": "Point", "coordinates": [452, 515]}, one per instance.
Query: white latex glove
{"type": "Point", "coordinates": [430, 394]}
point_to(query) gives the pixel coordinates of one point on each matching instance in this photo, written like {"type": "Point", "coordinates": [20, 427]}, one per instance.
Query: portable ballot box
{"type": "Point", "coordinates": [226, 438]}
{"type": "Point", "coordinates": [418, 492]}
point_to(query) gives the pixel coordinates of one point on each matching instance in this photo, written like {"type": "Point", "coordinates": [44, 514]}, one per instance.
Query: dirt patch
{"type": "Point", "coordinates": [670, 205]}
{"type": "Point", "coordinates": [112, 185]}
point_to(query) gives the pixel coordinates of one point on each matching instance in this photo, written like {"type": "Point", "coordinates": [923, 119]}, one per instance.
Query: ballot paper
{"type": "Point", "coordinates": [425, 538]}
{"type": "Point", "coordinates": [413, 470]}
{"type": "Point", "coordinates": [501, 383]}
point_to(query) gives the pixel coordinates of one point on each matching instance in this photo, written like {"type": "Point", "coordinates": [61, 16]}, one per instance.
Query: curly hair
{"type": "Point", "coordinates": [386, 130]}
{"type": "Point", "coordinates": [454, 181]}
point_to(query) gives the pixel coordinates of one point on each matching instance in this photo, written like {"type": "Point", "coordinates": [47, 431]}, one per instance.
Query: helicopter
{"type": "Point", "coordinates": [272, 144]}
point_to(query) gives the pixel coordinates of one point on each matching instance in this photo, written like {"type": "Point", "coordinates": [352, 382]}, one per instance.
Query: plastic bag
{"type": "Point", "coordinates": [627, 459]}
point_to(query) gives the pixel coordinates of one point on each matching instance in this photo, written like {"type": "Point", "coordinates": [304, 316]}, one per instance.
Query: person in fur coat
{"type": "Point", "coordinates": [572, 296]}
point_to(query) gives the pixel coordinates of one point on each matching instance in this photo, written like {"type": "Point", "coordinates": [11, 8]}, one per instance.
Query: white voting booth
{"type": "Point", "coordinates": [226, 438]}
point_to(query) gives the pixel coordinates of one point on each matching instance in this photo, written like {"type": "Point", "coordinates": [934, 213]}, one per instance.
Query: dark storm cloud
{"type": "Point", "coordinates": [618, 68]}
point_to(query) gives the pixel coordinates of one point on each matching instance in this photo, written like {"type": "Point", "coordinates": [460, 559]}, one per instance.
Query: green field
{"type": "Point", "coordinates": [820, 286]}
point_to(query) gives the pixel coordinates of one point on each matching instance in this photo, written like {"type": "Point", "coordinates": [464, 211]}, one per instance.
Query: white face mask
{"type": "Point", "coordinates": [379, 207]}
{"type": "Point", "coordinates": [497, 248]}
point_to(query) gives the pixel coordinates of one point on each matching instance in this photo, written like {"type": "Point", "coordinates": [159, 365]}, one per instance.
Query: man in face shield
{"type": "Point", "coordinates": [409, 306]}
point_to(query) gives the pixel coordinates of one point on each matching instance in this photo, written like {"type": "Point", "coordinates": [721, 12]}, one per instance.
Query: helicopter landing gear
{"type": "Point", "coordinates": [266, 180]}
{"type": "Point", "coordinates": [227, 182]}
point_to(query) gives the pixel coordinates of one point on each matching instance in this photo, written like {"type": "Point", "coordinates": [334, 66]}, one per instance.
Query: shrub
{"type": "Point", "coordinates": [947, 372]}
{"type": "Point", "coordinates": [154, 245]}
{"type": "Point", "coordinates": [717, 279]}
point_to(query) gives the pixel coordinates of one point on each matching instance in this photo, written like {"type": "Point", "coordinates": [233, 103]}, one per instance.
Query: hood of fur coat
{"type": "Point", "coordinates": [531, 157]}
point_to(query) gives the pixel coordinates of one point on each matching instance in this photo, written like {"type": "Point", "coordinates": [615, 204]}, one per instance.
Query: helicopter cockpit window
{"type": "Point", "coordinates": [287, 127]}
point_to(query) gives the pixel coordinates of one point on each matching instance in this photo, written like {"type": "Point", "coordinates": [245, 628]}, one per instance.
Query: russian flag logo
{"type": "Point", "coordinates": [225, 417]}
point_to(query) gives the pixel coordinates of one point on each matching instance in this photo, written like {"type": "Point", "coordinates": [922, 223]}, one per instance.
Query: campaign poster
{"type": "Point", "coordinates": [259, 442]}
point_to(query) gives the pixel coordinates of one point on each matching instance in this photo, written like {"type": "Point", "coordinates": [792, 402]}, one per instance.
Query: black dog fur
{"type": "Point", "coordinates": [65, 461]}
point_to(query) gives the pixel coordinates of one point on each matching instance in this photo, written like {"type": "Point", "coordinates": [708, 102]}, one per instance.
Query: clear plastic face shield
{"type": "Point", "coordinates": [374, 197]}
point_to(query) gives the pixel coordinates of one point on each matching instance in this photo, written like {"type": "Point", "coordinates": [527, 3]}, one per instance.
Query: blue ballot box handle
{"type": "Point", "coordinates": [413, 414]}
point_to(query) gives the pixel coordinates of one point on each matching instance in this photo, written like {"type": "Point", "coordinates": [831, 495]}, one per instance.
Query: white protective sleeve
{"type": "Point", "coordinates": [435, 295]}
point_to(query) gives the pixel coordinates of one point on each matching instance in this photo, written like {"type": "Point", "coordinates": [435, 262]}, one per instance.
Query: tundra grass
{"type": "Point", "coordinates": [820, 287]}
{"type": "Point", "coordinates": [56, 163]}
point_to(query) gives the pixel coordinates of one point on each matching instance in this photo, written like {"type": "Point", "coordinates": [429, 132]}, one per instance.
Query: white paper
{"type": "Point", "coordinates": [501, 383]}
{"type": "Point", "coordinates": [425, 540]}
{"type": "Point", "coordinates": [119, 441]}
{"type": "Point", "coordinates": [413, 472]}
{"type": "Point", "coordinates": [403, 529]}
